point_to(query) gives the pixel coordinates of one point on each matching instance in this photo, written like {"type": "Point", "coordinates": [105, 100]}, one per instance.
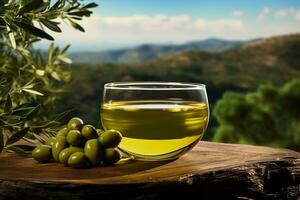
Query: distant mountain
{"type": "Point", "coordinates": [271, 60]}
{"type": "Point", "coordinates": [153, 51]}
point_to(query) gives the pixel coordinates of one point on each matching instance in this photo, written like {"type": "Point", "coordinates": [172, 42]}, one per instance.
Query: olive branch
{"type": "Point", "coordinates": [32, 80]}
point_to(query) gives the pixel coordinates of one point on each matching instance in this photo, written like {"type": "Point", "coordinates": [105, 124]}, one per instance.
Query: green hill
{"type": "Point", "coordinates": [153, 51]}
{"type": "Point", "coordinates": [270, 60]}
{"type": "Point", "coordinates": [273, 60]}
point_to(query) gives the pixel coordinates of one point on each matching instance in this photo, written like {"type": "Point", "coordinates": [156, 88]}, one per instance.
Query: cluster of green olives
{"type": "Point", "coordinates": [80, 146]}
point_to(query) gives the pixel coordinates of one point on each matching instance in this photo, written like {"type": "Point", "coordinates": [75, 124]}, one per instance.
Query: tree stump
{"type": "Point", "coordinates": [209, 171]}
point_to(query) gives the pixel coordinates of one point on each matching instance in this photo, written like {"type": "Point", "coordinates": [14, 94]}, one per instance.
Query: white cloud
{"type": "Point", "coordinates": [285, 12]}
{"type": "Point", "coordinates": [237, 13]}
{"type": "Point", "coordinates": [178, 21]}
{"type": "Point", "coordinates": [288, 12]}
{"type": "Point", "coordinates": [144, 28]}
{"type": "Point", "coordinates": [297, 15]}
{"type": "Point", "coordinates": [282, 13]}
{"type": "Point", "coordinates": [203, 24]}
{"type": "Point", "coordinates": [265, 11]}
{"type": "Point", "coordinates": [111, 31]}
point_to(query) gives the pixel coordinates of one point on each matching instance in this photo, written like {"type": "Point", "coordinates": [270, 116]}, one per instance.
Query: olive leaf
{"type": "Point", "coordinates": [33, 30]}
{"type": "Point", "coordinates": [22, 111]}
{"type": "Point", "coordinates": [18, 150]}
{"type": "Point", "coordinates": [51, 25]}
{"type": "Point", "coordinates": [26, 148]}
{"type": "Point", "coordinates": [90, 5]}
{"type": "Point", "coordinates": [11, 37]}
{"type": "Point", "coordinates": [64, 115]}
{"type": "Point", "coordinates": [56, 5]}
{"type": "Point", "coordinates": [24, 106]}
{"type": "Point", "coordinates": [76, 26]}
{"type": "Point", "coordinates": [6, 89]}
{"type": "Point", "coordinates": [81, 13]}
{"type": "Point", "coordinates": [55, 76]}
{"type": "Point", "coordinates": [17, 136]}
{"type": "Point", "coordinates": [32, 5]}
{"type": "Point", "coordinates": [8, 104]}
{"type": "Point", "coordinates": [64, 59]}
{"type": "Point", "coordinates": [33, 113]}
{"type": "Point", "coordinates": [30, 141]}
{"type": "Point", "coordinates": [65, 49]}
{"type": "Point", "coordinates": [46, 124]}
{"type": "Point", "coordinates": [75, 7]}
{"type": "Point", "coordinates": [1, 141]}
{"type": "Point", "coordinates": [76, 18]}
{"type": "Point", "coordinates": [32, 91]}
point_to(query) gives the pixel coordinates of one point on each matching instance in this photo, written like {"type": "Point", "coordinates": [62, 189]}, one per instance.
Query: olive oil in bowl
{"type": "Point", "coordinates": [156, 130]}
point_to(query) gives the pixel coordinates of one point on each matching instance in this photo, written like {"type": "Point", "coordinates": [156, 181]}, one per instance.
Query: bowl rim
{"type": "Point", "coordinates": [156, 85]}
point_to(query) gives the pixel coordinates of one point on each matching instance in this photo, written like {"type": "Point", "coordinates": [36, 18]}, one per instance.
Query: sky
{"type": "Point", "coordinates": [125, 23]}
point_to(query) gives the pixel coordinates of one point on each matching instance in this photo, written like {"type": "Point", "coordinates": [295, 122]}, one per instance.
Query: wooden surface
{"type": "Point", "coordinates": [210, 170]}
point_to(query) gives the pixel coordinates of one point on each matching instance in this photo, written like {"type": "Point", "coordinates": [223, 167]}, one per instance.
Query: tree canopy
{"type": "Point", "coordinates": [268, 116]}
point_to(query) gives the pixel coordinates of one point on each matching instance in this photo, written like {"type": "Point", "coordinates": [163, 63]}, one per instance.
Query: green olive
{"type": "Point", "coordinates": [62, 132]}
{"type": "Point", "coordinates": [50, 141]}
{"type": "Point", "coordinates": [74, 138]}
{"type": "Point", "coordinates": [42, 153]}
{"type": "Point", "coordinates": [75, 124]}
{"type": "Point", "coordinates": [93, 151]}
{"type": "Point", "coordinates": [99, 131]}
{"type": "Point", "coordinates": [111, 156]}
{"type": "Point", "coordinates": [89, 132]}
{"type": "Point", "coordinates": [65, 154]}
{"type": "Point", "coordinates": [110, 138]}
{"type": "Point", "coordinates": [78, 160]}
{"type": "Point", "coordinates": [58, 146]}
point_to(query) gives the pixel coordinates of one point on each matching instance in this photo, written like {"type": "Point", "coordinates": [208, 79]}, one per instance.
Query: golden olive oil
{"type": "Point", "coordinates": [156, 128]}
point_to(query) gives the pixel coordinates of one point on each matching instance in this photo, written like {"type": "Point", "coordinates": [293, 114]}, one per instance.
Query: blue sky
{"type": "Point", "coordinates": [121, 23]}
{"type": "Point", "coordinates": [195, 8]}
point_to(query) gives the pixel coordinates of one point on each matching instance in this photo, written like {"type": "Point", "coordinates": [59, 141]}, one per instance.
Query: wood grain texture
{"type": "Point", "coordinates": [210, 170]}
